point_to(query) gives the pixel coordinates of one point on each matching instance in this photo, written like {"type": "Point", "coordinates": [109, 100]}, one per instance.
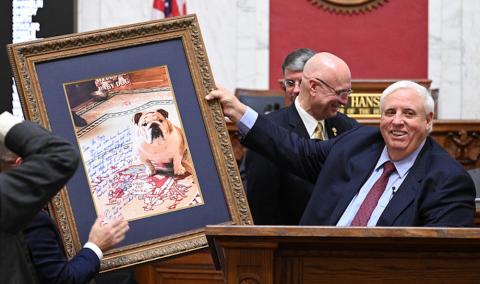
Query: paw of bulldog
{"type": "Point", "coordinates": [180, 170]}
{"type": "Point", "coordinates": [150, 169]}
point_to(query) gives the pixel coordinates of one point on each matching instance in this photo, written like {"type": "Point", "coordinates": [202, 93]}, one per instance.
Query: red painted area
{"type": "Point", "coordinates": [390, 42]}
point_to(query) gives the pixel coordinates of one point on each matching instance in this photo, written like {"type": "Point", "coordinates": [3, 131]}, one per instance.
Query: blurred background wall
{"type": "Point", "coordinates": [246, 40]}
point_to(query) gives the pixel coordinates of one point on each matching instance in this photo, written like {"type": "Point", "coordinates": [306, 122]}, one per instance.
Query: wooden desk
{"type": "Point", "coordinates": [461, 138]}
{"type": "Point", "coordinates": [267, 255]}
{"type": "Point", "coordinates": [191, 268]}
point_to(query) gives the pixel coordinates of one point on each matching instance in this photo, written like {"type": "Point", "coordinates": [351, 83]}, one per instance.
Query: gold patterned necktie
{"type": "Point", "coordinates": [318, 132]}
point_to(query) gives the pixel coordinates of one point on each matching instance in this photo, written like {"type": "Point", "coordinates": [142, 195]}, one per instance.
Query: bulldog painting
{"type": "Point", "coordinates": [159, 142]}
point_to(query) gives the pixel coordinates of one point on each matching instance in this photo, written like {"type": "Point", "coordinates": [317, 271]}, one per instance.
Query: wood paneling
{"type": "Point", "coordinates": [195, 268]}
{"type": "Point", "coordinates": [267, 255]}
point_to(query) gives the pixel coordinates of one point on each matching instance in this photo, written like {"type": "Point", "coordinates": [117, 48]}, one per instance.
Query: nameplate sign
{"type": "Point", "coordinates": [363, 105]}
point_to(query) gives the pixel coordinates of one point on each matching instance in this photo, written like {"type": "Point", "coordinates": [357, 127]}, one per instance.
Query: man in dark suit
{"type": "Point", "coordinates": [46, 248]}
{"type": "Point", "coordinates": [275, 195]}
{"type": "Point", "coordinates": [48, 253]}
{"type": "Point", "coordinates": [49, 161]}
{"type": "Point", "coordinates": [392, 176]}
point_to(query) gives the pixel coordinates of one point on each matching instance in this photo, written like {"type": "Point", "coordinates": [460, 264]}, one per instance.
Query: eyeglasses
{"type": "Point", "coordinates": [341, 93]}
{"type": "Point", "coordinates": [289, 83]}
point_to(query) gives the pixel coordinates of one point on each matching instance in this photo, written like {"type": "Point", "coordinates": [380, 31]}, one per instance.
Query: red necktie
{"type": "Point", "coordinates": [371, 200]}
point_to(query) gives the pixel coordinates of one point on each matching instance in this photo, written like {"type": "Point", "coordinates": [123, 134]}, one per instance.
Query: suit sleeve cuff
{"type": "Point", "coordinates": [247, 121]}
{"type": "Point", "coordinates": [95, 249]}
{"type": "Point", "coordinates": [7, 121]}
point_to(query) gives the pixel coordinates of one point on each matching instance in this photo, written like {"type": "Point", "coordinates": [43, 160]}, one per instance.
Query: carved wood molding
{"type": "Point", "coordinates": [464, 146]}
{"type": "Point", "coordinates": [348, 6]}
{"type": "Point", "coordinates": [248, 281]}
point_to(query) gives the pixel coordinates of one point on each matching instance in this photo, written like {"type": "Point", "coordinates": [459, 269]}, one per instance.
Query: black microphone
{"type": "Point", "coordinates": [394, 189]}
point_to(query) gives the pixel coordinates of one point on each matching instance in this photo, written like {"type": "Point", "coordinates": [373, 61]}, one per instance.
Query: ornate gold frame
{"type": "Point", "coordinates": [25, 56]}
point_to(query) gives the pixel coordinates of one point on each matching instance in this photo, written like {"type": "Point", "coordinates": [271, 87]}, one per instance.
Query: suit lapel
{"type": "Point", "coordinates": [335, 126]}
{"type": "Point", "coordinates": [331, 127]}
{"type": "Point", "coordinates": [295, 122]}
{"type": "Point", "coordinates": [400, 200]}
{"type": "Point", "coordinates": [408, 190]}
{"type": "Point", "coordinates": [360, 168]}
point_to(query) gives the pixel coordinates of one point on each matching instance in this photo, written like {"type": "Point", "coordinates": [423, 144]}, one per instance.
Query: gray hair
{"type": "Point", "coordinates": [422, 92]}
{"type": "Point", "coordinates": [296, 59]}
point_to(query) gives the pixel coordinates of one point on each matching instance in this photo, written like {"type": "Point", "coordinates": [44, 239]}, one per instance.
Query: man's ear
{"type": "Point", "coordinates": [429, 119]}
{"type": "Point", "coordinates": [312, 87]}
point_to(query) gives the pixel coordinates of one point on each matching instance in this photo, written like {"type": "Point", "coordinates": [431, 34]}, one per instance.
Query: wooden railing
{"type": "Point", "coordinates": [271, 254]}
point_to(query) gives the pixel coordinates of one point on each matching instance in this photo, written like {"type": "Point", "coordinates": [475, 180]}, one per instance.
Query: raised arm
{"type": "Point", "coordinates": [48, 162]}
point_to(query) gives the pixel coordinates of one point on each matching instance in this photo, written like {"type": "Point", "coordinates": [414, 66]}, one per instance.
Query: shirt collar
{"type": "Point", "coordinates": [309, 121]}
{"type": "Point", "coordinates": [402, 166]}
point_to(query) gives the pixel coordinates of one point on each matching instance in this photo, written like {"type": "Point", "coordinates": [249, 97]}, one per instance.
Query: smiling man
{"type": "Point", "coordinates": [406, 119]}
{"type": "Point", "coordinates": [393, 176]}
{"type": "Point", "coordinates": [276, 196]}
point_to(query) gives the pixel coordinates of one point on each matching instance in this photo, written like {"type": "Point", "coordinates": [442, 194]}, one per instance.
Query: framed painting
{"type": "Point", "coordinates": [153, 149]}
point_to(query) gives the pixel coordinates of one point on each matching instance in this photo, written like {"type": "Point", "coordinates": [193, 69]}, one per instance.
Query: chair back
{"type": "Point", "coordinates": [475, 174]}
{"type": "Point", "coordinates": [262, 101]}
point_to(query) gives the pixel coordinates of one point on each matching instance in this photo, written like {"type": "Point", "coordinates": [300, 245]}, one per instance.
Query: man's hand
{"type": "Point", "coordinates": [232, 107]}
{"type": "Point", "coordinates": [107, 234]}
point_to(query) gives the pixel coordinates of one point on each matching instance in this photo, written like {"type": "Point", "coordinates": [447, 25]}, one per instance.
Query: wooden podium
{"type": "Point", "coordinates": [265, 254]}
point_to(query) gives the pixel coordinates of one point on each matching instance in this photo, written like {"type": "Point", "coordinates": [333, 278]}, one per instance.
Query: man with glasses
{"type": "Point", "coordinates": [275, 195]}
{"type": "Point", "coordinates": [292, 69]}
{"type": "Point", "coordinates": [394, 175]}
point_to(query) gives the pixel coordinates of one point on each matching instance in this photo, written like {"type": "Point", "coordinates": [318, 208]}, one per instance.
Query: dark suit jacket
{"type": "Point", "coordinates": [48, 254]}
{"type": "Point", "coordinates": [276, 196]}
{"type": "Point", "coordinates": [48, 162]}
{"type": "Point", "coordinates": [436, 192]}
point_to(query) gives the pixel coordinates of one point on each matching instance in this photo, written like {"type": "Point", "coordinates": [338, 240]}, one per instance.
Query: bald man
{"type": "Point", "coordinates": [276, 196]}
